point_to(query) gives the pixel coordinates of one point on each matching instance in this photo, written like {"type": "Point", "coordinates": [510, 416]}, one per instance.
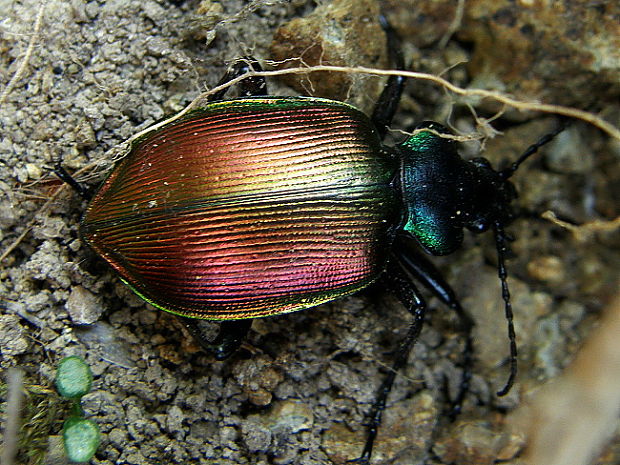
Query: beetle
{"type": "Point", "coordinates": [260, 205]}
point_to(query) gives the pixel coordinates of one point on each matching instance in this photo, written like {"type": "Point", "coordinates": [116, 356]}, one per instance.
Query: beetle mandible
{"type": "Point", "coordinates": [262, 205]}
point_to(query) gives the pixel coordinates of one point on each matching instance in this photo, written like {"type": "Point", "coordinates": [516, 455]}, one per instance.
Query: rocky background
{"type": "Point", "coordinates": [99, 72]}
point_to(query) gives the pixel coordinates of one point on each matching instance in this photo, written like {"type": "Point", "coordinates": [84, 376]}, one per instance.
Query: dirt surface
{"type": "Point", "coordinates": [299, 391]}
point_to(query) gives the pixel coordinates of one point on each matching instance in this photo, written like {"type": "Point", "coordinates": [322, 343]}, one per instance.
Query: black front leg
{"type": "Point", "coordinates": [230, 337]}
{"type": "Point", "coordinates": [388, 101]}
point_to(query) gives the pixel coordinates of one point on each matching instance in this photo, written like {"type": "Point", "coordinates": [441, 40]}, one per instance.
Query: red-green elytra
{"type": "Point", "coordinates": [247, 208]}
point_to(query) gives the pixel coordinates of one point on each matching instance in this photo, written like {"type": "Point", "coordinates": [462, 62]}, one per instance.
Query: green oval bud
{"type": "Point", "coordinates": [81, 438]}
{"type": "Point", "coordinates": [73, 377]}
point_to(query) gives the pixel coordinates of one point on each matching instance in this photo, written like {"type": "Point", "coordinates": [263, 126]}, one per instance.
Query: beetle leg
{"type": "Point", "coordinates": [230, 337]}
{"type": "Point", "coordinates": [425, 272]}
{"type": "Point", "coordinates": [248, 87]}
{"type": "Point", "coordinates": [400, 284]}
{"type": "Point", "coordinates": [388, 101]}
{"type": "Point", "coordinates": [65, 177]}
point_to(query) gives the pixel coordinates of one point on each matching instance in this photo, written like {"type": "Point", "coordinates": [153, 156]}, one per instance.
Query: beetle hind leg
{"type": "Point", "coordinates": [230, 337]}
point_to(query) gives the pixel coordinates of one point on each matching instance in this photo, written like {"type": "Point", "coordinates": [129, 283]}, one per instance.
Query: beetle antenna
{"type": "Point", "coordinates": [500, 242]}
{"type": "Point", "coordinates": [532, 149]}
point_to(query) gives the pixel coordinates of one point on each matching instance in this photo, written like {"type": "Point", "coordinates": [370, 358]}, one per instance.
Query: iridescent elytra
{"type": "Point", "coordinates": [248, 208]}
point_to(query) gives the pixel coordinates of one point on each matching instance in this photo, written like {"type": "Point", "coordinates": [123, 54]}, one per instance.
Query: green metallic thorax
{"type": "Point", "coordinates": [431, 172]}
